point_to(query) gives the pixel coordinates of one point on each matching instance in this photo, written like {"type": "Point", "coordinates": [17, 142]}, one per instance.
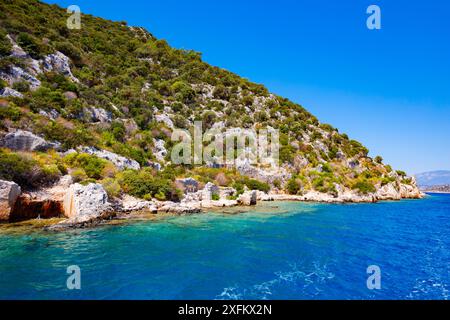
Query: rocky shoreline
{"type": "Point", "coordinates": [83, 206]}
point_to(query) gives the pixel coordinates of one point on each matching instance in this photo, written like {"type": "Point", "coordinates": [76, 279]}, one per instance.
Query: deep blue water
{"type": "Point", "coordinates": [278, 251]}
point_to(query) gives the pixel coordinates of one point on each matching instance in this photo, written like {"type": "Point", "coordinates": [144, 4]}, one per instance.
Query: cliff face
{"type": "Point", "coordinates": [111, 94]}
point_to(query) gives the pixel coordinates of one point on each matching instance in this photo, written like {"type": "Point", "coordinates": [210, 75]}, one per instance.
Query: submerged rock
{"type": "Point", "coordinates": [9, 192]}
{"type": "Point", "coordinates": [178, 208]}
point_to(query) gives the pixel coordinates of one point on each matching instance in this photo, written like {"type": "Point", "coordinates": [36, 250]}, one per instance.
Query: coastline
{"type": "Point", "coordinates": [168, 209]}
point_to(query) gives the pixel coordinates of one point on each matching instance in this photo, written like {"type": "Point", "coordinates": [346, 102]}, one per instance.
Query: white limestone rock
{"type": "Point", "coordinates": [120, 162]}
{"type": "Point", "coordinates": [9, 192]}
{"type": "Point", "coordinates": [27, 141]}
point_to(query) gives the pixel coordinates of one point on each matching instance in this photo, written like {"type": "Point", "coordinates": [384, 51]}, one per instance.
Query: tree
{"type": "Point", "coordinates": [378, 159]}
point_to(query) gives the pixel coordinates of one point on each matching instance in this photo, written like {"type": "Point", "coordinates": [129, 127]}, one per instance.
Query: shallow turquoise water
{"type": "Point", "coordinates": [278, 251]}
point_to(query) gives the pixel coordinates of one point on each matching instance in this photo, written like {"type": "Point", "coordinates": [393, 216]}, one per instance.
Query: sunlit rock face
{"type": "Point", "coordinates": [27, 141]}
{"type": "Point", "coordinates": [27, 208]}
{"type": "Point", "coordinates": [85, 203]}
{"type": "Point", "coordinates": [9, 192]}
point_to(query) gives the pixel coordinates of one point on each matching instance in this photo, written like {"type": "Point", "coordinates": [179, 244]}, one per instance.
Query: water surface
{"type": "Point", "coordinates": [277, 251]}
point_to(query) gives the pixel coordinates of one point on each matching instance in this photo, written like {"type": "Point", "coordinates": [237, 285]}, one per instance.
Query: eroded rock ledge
{"type": "Point", "coordinates": [89, 205]}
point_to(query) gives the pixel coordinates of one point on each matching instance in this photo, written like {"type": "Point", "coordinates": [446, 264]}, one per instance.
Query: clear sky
{"type": "Point", "coordinates": [388, 88]}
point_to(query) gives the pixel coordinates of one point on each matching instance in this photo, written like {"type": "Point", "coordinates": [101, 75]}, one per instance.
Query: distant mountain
{"type": "Point", "coordinates": [433, 178]}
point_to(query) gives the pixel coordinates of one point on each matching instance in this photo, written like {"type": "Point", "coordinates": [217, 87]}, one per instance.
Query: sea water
{"type": "Point", "coordinates": [279, 250]}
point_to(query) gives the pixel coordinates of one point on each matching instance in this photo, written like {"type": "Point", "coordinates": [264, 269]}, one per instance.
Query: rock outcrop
{"type": "Point", "coordinates": [120, 162]}
{"type": "Point", "coordinates": [99, 115]}
{"type": "Point", "coordinates": [159, 150]}
{"type": "Point", "coordinates": [27, 208]}
{"type": "Point", "coordinates": [27, 141]}
{"type": "Point", "coordinates": [208, 191]}
{"type": "Point", "coordinates": [248, 198]}
{"type": "Point", "coordinates": [178, 208]}
{"type": "Point", "coordinates": [58, 62]}
{"type": "Point", "coordinates": [9, 192]}
{"type": "Point", "coordinates": [187, 185]}
{"type": "Point", "coordinates": [15, 74]}
{"type": "Point", "coordinates": [8, 92]}
{"type": "Point", "coordinates": [132, 204]}
{"type": "Point", "coordinates": [86, 203]}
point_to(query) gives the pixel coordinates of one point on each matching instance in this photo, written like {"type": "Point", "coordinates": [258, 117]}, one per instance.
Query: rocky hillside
{"type": "Point", "coordinates": [98, 105]}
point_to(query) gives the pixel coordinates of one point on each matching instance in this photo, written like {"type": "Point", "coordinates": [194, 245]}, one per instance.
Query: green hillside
{"type": "Point", "coordinates": [124, 86]}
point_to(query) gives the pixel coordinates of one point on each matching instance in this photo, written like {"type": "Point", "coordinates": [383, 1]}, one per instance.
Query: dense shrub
{"type": "Point", "coordinates": [293, 186]}
{"type": "Point", "coordinates": [5, 44]}
{"type": "Point", "coordinates": [31, 45]}
{"type": "Point", "coordinates": [253, 184]}
{"type": "Point", "coordinates": [26, 171]}
{"type": "Point", "coordinates": [145, 184]}
{"type": "Point", "coordinates": [378, 159]}
{"type": "Point", "coordinates": [92, 165]}
{"type": "Point", "coordinates": [364, 187]}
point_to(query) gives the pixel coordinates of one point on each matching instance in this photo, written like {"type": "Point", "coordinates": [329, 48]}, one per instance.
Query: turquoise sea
{"type": "Point", "coordinates": [275, 251]}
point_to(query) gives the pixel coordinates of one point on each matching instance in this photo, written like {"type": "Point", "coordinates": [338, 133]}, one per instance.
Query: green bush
{"type": "Point", "coordinates": [10, 112]}
{"type": "Point", "coordinates": [378, 159]}
{"type": "Point", "coordinates": [253, 184]}
{"type": "Point", "coordinates": [21, 86]}
{"type": "Point", "coordinates": [145, 183]}
{"type": "Point", "coordinates": [112, 187]}
{"type": "Point", "coordinates": [26, 171]}
{"type": "Point", "coordinates": [215, 197]}
{"type": "Point", "coordinates": [5, 44]}
{"type": "Point", "coordinates": [92, 165]}
{"type": "Point", "coordinates": [401, 173]}
{"type": "Point", "coordinates": [293, 186]}
{"type": "Point", "coordinates": [31, 45]}
{"type": "Point", "coordinates": [364, 187]}
{"type": "Point", "coordinates": [3, 84]}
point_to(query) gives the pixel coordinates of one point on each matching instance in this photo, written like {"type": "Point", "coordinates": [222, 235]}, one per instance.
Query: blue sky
{"type": "Point", "coordinates": [388, 88]}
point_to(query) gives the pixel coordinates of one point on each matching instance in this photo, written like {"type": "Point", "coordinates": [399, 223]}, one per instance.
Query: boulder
{"type": "Point", "coordinates": [9, 192]}
{"type": "Point", "coordinates": [86, 203]}
{"type": "Point", "coordinates": [58, 62]}
{"type": "Point", "coordinates": [120, 162]}
{"type": "Point", "coordinates": [70, 95]}
{"type": "Point", "coordinates": [52, 114]}
{"type": "Point", "coordinates": [17, 74]}
{"type": "Point", "coordinates": [159, 150]}
{"type": "Point", "coordinates": [226, 192]}
{"type": "Point", "coordinates": [178, 208]}
{"type": "Point", "coordinates": [99, 115]}
{"type": "Point", "coordinates": [132, 204]}
{"type": "Point", "coordinates": [248, 198]}
{"type": "Point", "coordinates": [164, 118]}
{"type": "Point", "coordinates": [130, 126]}
{"type": "Point", "coordinates": [16, 50]}
{"type": "Point", "coordinates": [8, 92]}
{"type": "Point", "coordinates": [187, 185]}
{"type": "Point", "coordinates": [388, 192]}
{"type": "Point", "coordinates": [27, 141]}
